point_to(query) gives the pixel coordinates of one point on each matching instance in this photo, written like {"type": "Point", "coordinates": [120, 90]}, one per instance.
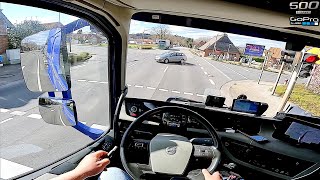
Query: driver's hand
{"type": "Point", "coordinates": [92, 164]}
{"type": "Point", "coordinates": [208, 176]}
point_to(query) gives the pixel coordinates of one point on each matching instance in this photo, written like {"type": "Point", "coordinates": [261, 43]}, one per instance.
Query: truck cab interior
{"type": "Point", "coordinates": [176, 137]}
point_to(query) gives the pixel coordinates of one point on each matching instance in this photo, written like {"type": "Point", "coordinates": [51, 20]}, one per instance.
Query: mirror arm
{"type": "Point", "coordinates": [93, 133]}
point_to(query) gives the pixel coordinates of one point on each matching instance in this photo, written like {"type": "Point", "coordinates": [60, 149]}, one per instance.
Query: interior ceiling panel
{"type": "Point", "coordinates": [269, 13]}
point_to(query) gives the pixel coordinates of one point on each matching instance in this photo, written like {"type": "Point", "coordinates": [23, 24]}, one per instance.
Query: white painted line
{"type": "Point", "coordinates": [23, 67]}
{"type": "Point", "coordinates": [18, 113]}
{"type": "Point", "coordinates": [4, 110]}
{"type": "Point", "coordinates": [21, 100]}
{"type": "Point", "coordinates": [235, 71]}
{"type": "Point", "coordinates": [38, 74]}
{"type": "Point", "coordinates": [97, 126]}
{"type": "Point", "coordinates": [205, 73]}
{"type": "Point", "coordinates": [103, 82]}
{"type": "Point", "coordinates": [165, 69]}
{"type": "Point", "coordinates": [176, 92]}
{"type": "Point", "coordinates": [200, 95]}
{"type": "Point", "coordinates": [165, 90]}
{"type": "Point", "coordinates": [83, 122]}
{"type": "Point", "coordinates": [35, 116]}
{"type": "Point", "coordinates": [187, 93]}
{"type": "Point", "coordinates": [212, 82]}
{"type": "Point", "coordinates": [219, 70]}
{"type": "Point", "coordinates": [152, 88]}
{"type": "Point", "coordinates": [6, 120]}
{"type": "Point", "coordinates": [199, 64]}
{"type": "Point", "coordinates": [128, 85]}
{"type": "Point", "coordinates": [201, 67]}
{"type": "Point", "coordinates": [9, 169]}
{"type": "Point", "coordinates": [138, 86]}
{"type": "Point", "coordinates": [82, 80]}
{"type": "Point", "coordinates": [93, 81]}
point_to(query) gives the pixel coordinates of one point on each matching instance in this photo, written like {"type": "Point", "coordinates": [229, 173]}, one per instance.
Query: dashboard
{"type": "Point", "coordinates": [276, 158]}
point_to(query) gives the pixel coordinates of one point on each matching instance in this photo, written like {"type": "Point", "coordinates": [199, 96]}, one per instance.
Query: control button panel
{"type": "Point", "coordinates": [265, 159]}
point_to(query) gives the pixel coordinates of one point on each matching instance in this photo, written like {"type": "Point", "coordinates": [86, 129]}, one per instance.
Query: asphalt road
{"type": "Point", "coordinates": [28, 142]}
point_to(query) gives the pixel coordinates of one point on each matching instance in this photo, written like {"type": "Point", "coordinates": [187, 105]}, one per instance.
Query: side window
{"type": "Point", "coordinates": [27, 142]}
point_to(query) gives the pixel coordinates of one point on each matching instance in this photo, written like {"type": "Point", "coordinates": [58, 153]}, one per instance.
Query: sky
{"type": "Point", "coordinates": [19, 13]}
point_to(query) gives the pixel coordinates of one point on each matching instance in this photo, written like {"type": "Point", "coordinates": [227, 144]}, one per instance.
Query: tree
{"type": "Point", "coordinates": [22, 30]}
{"type": "Point", "coordinates": [161, 31]}
{"type": "Point", "coordinates": [189, 42]}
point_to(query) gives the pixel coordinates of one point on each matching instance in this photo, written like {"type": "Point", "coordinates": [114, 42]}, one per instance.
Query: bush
{"type": "Point", "coordinates": [260, 60]}
{"type": "Point", "coordinates": [83, 56]}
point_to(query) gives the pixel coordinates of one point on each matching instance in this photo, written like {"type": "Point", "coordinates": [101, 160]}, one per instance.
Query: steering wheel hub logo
{"type": "Point", "coordinates": [171, 150]}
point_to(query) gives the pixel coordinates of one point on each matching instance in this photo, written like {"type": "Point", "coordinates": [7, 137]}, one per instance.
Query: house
{"type": "Point", "coordinates": [220, 46]}
{"type": "Point", "coordinates": [274, 56]}
{"type": "Point", "coordinates": [4, 25]}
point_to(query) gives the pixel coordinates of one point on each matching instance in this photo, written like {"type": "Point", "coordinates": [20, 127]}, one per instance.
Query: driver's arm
{"type": "Point", "coordinates": [91, 165]}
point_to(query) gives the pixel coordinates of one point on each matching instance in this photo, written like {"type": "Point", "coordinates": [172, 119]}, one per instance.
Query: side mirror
{"type": "Point", "coordinates": [58, 111]}
{"type": "Point", "coordinates": [44, 61]}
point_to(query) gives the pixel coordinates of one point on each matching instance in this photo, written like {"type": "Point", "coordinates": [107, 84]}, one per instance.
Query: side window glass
{"type": "Point", "coordinates": [57, 51]}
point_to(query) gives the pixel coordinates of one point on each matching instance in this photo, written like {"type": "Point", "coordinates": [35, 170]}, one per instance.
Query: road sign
{"type": "Point", "coordinates": [254, 50]}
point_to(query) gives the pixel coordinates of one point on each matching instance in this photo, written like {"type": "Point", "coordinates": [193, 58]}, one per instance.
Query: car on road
{"type": "Point", "coordinates": [171, 56]}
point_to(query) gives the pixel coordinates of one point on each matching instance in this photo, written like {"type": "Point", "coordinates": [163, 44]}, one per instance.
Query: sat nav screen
{"type": "Point", "coordinates": [303, 133]}
{"type": "Point", "coordinates": [245, 106]}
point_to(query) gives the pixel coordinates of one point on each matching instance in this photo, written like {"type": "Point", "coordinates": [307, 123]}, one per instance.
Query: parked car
{"type": "Point", "coordinates": [171, 57]}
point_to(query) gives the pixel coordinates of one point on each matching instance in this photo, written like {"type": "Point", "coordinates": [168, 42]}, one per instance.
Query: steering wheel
{"type": "Point", "coordinates": [169, 154]}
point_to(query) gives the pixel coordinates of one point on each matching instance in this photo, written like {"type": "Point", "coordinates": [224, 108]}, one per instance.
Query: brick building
{"type": "Point", "coordinates": [4, 25]}
{"type": "Point", "coordinates": [220, 45]}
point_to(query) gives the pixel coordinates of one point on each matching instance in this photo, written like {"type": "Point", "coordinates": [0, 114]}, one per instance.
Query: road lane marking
{"type": "Point", "coordinates": [128, 85]}
{"type": "Point", "coordinates": [138, 86]}
{"type": "Point", "coordinates": [165, 90]}
{"type": "Point", "coordinates": [201, 67]}
{"type": "Point", "coordinates": [103, 82]}
{"type": "Point", "coordinates": [35, 116]}
{"type": "Point", "coordinates": [22, 100]}
{"type": "Point", "coordinates": [93, 81]}
{"type": "Point", "coordinates": [152, 88]}
{"type": "Point", "coordinates": [165, 69]}
{"type": "Point", "coordinates": [187, 93]}
{"type": "Point", "coordinates": [219, 70]}
{"type": "Point", "coordinates": [23, 67]}
{"type": "Point", "coordinates": [234, 71]}
{"type": "Point", "coordinates": [18, 113]}
{"type": "Point", "coordinates": [212, 82]}
{"type": "Point", "coordinates": [82, 80]}
{"type": "Point", "coordinates": [38, 73]}
{"type": "Point", "coordinates": [205, 73]}
{"type": "Point", "coordinates": [97, 126]}
{"type": "Point", "coordinates": [175, 92]}
{"type": "Point", "coordinates": [4, 110]}
{"type": "Point", "coordinates": [200, 95]}
{"type": "Point", "coordinates": [9, 169]}
{"type": "Point", "coordinates": [6, 120]}
{"type": "Point", "coordinates": [83, 122]}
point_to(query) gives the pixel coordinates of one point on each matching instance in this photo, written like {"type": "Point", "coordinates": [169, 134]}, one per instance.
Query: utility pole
{"type": "Point", "coordinates": [292, 82]}
{"type": "Point", "coordinates": [278, 78]}
{"type": "Point", "coordinates": [309, 79]}
{"type": "Point", "coordinates": [264, 63]}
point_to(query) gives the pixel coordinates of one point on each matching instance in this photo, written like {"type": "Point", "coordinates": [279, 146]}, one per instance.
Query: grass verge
{"type": "Point", "coordinates": [302, 97]}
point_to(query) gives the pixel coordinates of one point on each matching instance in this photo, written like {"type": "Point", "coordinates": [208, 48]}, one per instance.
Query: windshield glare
{"type": "Point", "coordinates": [213, 63]}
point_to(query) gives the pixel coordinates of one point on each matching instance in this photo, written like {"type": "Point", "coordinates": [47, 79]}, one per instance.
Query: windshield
{"type": "Point", "coordinates": [214, 63]}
